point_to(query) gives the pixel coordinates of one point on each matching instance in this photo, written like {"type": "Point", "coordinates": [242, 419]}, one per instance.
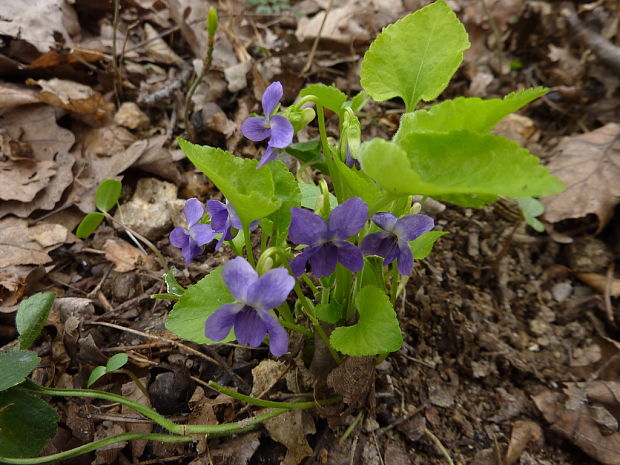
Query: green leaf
{"type": "Point", "coordinates": [415, 57]}
{"type": "Point", "coordinates": [329, 96]}
{"type": "Point", "coordinates": [97, 373]}
{"type": "Point", "coordinates": [250, 191]}
{"type": "Point", "coordinates": [309, 152]}
{"type": "Point", "coordinates": [358, 184]}
{"type": "Point", "coordinates": [188, 316]}
{"type": "Point", "coordinates": [15, 365]}
{"type": "Point", "coordinates": [116, 362]}
{"type": "Point", "coordinates": [330, 313]}
{"type": "Point", "coordinates": [311, 196]}
{"type": "Point", "coordinates": [88, 224]}
{"type": "Point", "coordinates": [473, 114]}
{"type": "Point", "coordinates": [456, 165]}
{"type": "Point", "coordinates": [172, 286]}
{"type": "Point", "coordinates": [377, 330]}
{"type": "Point", "coordinates": [423, 245]}
{"type": "Point", "coordinates": [108, 193]}
{"type": "Point", "coordinates": [31, 317]}
{"type": "Point", "coordinates": [26, 424]}
{"type": "Point", "coordinates": [530, 209]}
{"type": "Point", "coordinates": [287, 192]}
{"type": "Point", "coordinates": [359, 101]}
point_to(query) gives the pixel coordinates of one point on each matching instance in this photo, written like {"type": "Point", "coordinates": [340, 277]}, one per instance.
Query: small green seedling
{"type": "Point", "coordinates": [106, 197]}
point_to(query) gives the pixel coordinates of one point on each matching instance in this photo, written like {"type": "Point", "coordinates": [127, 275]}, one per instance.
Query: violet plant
{"type": "Point", "coordinates": [333, 257]}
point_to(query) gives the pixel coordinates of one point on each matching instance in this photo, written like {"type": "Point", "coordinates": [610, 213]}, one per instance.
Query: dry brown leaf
{"type": "Point", "coordinates": [345, 24]}
{"type": "Point", "coordinates": [14, 283]}
{"type": "Point", "coordinates": [291, 429]}
{"type": "Point", "coordinates": [130, 116]}
{"type": "Point", "coordinates": [24, 245]}
{"type": "Point", "coordinates": [158, 50]}
{"type": "Point", "coordinates": [125, 256]}
{"type": "Point", "coordinates": [265, 375]}
{"type": "Point", "coordinates": [599, 282]}
{"type": "Point", "coordinates": [39, 21]}
{"type": "Point", "coordinates": [13, 95]}
{"type": "Point", "coordinates": [22, 180]}
{"type": "Point", "coordinates": [523, 433]}
{"type": "Point", "coordinates": [353, 380]}
{"type": "Point", "coordinates": [71, 96]}
{"type": "Point", "coordinates": [571, 414]}
{"type": "Point", "coordinates": [130, 391]}
{"type": "Point", "coordinates": [589, 165]}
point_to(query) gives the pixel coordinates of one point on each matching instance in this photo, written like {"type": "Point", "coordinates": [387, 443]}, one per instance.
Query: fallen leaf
{"type": "Point", "coordinates": [22, 180]}
{"type": "Point", "coordinates": [599, 282]}
{"type": "Point", "coordinates": [571, 414]}
{"type": "Point", "coordinates": [38, 22]}
{"type": "Point", "coordinates": [13, 95]}
{"type": "Point", "coordinates": [132, 392]}
{"type": "Point", "coordinates": [291, 429]}
{"type": "Point", "coordinates": [130, 116]}
{"type": "Point", "coordinates": [265, 375]}
{"type": "Point", "coordinates": [125, 256]}
{"type": "Point", "coordinates": [71, 96]}
{"type": "Point", "coordinates": [345, 24]}
{"type": "Point", "coordinates": [353, 379]}
{"type": "Point", "coordinates": [589, 165]}
{"type": "Point", "coordinates": [157, 49]}
{"type": "Point", "coordinates": [14, 284]}
{"type": "Point", "coordinates": [237, 451]}
{"type": "Point", "coordinates": [524, 432]}
{"type": "Point", "coordinates": [21, 244]}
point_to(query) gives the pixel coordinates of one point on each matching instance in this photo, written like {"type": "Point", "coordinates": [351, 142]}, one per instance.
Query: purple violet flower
{"type": "Point", "coordinates": [352, 162]}
{"type": "Point", "coordinates": [393, 242]}
{"type": "Point", "coordinates": [277, 128]}
{"type": "Point", "coordinates": [223, 219]}
{"type": "Point", "coordinates": [191, 240]}
{"type": "Point", "coordinates": [326, 240]}
{"type": "Point", "coordinates": [250, 314]}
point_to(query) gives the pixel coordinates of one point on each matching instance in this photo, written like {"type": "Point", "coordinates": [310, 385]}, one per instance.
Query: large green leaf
{"type": "Point", "coordinates": [329, 96]}
{"type": "Point", "coordinates": [287, 191]}
{"type": "Point", "coordinates": [198, 302]}
{"type": "Point", "coordinates": [31, 317]}
{"type": "Point", "coordinates": [250, 191]}
{"type": "Point", "coordinates": [26, 424]}
{"type": "Point", "coordinates": [15, 365]}
{"type": "Point", "coordinates": [311, 196]}
{"type": "Point", "coordinates": [415, 57]}
{"type": "Point", "coordinates": [457, 164]}
{"type": "Point", "coordinates": [358, 184]}
{"type": "Point", "coordinates": [422, 246]}
{"type": "Point", "coordinates": [470, 113]}
{"type": "Point", "coordinates": [377, 330]}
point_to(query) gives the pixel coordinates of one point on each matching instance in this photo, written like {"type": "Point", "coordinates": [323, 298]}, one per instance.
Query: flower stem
{"type": "Point", "coordinates": [286, 313]}
{"type": "Point", "coordinates": [248, 245]}
{"type": "Point", "coordinates": [95, 445]}
{"type": "Point", "coordinates": [270, 403]}
{"type": "Point", "coordinates": [394, 284]}
{"type": "Point", "coordinates": [294, 327]}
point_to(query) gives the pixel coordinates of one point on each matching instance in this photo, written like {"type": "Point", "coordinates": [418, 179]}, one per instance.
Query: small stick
{"type": "Point", "coordinates": [117, 80]}
{"type": "Point", "coordinates": [439, 445]}
{"type": "Point", "coordinates": [306, 68]}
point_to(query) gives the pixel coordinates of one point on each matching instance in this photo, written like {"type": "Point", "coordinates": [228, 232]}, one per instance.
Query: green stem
{"type": "Point", "coordinates": [135, 379]}
{"type": "Point", "coordinates": [270, 403]}
{"type": "Point", "coordinates": [286, 313]}
{"type": "Point", "coordinates": [294, 327]}
{"type": "Point", "coordinates": [95, 446]}
{"type": "Point", "coordinates": [383, 201]}
{"type": "Point", "coordinates": [394, 284]}
{"type": "Point", "coordinates": [235, 249]}
{"type": "Point", "coordinates": [248, 245]}
{"type": "Point", "coordinates": [212, 430]}
{"type": "Point", "coordinates": [310, 284]}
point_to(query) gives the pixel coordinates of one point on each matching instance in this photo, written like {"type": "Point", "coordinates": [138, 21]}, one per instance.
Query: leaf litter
{"type": "Point", "coordinates": [485, 336]}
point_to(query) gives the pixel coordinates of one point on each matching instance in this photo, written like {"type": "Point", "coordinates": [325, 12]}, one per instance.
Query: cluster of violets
{"type": "Point", "coordinates": [327, 243]}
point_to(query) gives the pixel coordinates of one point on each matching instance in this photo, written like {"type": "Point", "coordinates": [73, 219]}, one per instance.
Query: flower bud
{"type": "Point", "coordinates": [299, 117]}
{"type": "Point", "coordinates": [212, 22]}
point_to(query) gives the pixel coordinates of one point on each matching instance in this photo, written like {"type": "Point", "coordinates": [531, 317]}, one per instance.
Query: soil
{"type": "Point", "coordinates": [493, 318]}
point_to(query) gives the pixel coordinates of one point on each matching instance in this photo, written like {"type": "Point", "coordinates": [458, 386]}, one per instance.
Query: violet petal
{"type": "Point", "coordinates": [202, 233]}
{"type": "Point", "coordinates": [193, 211]}
{"type": "Point", "coordinates": [190, 251]}
{"type": "Point", "coordinates": [349, 256]}
{"type": "Point", "coordinates": [385, 220]}
{"type": "Point", "coordinates": [271, 153]}
{"type": "Point", "coordinates": [179, 237]}
{"type": "Point", "coordinates": [238, 275]}
{"type": "Point", "coordinates": [234, 218]}
{"type": "Point", "coordinates": [278, 338]}
{"type": "Point", "coordinates": [271, 97]}
{"type": "Point", "coordinates": [249, 327]}
{"type": "Point", "coordinates": [281, 132]}
{"type": "Point", "coordinates": [306, 226]}
{"type": "Point", "coordinates": [218, 325]}
{"type": "Point", "coordinates": [412, 226]}
{"type": "Point", "coordinates": [381, 243]}
{"type": "Point", "coordinates": [270, 290]}
{"type": "Point", "coordinates": [405, 258]}
{"type": "Point", "coordinates": [219, 215]}
{"type": "Point", "coordinates": [255, 128]}
{"type": "Point", "coordinates": [347, 219]}
{"type": "Point", "coordinates": [298, 264]}
{"type": "Point", "coordinates": [323, 261]}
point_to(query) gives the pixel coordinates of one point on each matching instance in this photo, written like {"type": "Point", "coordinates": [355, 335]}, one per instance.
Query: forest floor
{"type": "Point", "coordinates": [512, 348]}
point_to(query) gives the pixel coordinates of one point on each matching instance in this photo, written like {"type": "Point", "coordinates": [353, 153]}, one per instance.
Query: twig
{"type": "Point", "coordinates": [117, 79]}
{"type": "Point", "coordinates": [308, 65]}
{"type": "Point", "coordinates": [439, 445]}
